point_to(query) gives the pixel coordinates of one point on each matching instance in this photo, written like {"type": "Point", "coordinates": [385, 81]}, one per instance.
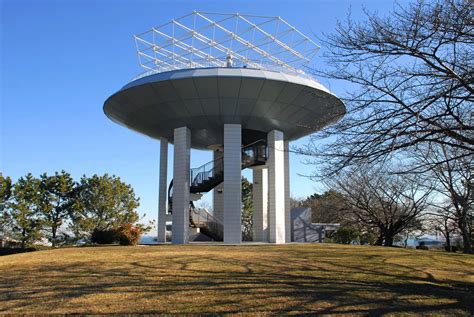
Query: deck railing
{"type": "Point", "coordinates": [222, 63]}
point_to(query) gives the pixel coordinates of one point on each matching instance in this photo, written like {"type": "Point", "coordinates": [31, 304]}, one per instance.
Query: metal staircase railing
{"type": "Point", "coordinates": [209, 175]}
{"type": "Point", "coordinates": [205, 177]}
{"type": "Point", "coordinates": [206, 171]}
{"type": "Point", "coordinates": [208, 224]}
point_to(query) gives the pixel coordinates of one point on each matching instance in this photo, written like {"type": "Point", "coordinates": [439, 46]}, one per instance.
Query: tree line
{"type": "Point", "coordinates": [380, 205]}
{"type": "Point", "coordinates": [63, 211]}
{"type": "Point", "coordinates": [404, 151]}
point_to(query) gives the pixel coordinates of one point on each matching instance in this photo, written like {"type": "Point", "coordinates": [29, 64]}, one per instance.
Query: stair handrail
{"type": "Point", "coordinates": [198, 174]}
{"type": "Point", "coordinates": [207, 220]}
{"type": "Point", "coordinates": [221, 158]}
{"type": "Point", "coordinates": [203, 165]}
{"type": "Point", "coordinates": [209, 214]}
{"type": "Point", "coordinates": [202, 172]}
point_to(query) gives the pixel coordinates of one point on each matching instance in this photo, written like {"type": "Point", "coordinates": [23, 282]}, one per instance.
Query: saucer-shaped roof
{"type": "Point", "coordinates": [204, 99]}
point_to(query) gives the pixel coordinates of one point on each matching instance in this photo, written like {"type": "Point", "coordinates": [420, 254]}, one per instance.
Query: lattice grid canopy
{"type": "Point", "coordinates": [200, 40]}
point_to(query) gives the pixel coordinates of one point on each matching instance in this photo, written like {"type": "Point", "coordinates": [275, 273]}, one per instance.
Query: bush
{"type": "Point", "coordinates": [104, 236]}
{"type": "Point", "coordinates": [453, 248]}
{"type": "Point", "coordinates": [346, 235]}
{"type": "Point", "coordinates": [129, 234]}
{"type": "Point", "coordinates": [368, 238]}
{"type": "Point", "coordinates": [8, 251]}
{"type": "Point", "coordinates": [422, 247]}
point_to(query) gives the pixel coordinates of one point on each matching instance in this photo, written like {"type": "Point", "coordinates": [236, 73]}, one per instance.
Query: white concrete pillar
{"type": "Point", "coordinates": [161, 234]}
{"type": "Point", "coordinates": [276, 187]}
{"type": "Point", "coordinates": [218, 193]}
{"type": "Point", "coordinates": [232, 183]}
{"type": "Point", "coordinates": [181, 167]}
{"type": "Point", "coordinates": [260, 204]}
{"type": "Point", "coordinates": [287, 192]}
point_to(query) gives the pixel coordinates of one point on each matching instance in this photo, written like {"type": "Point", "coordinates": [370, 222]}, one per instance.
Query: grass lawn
{"type": "Point", "coordinates": [320, 278]}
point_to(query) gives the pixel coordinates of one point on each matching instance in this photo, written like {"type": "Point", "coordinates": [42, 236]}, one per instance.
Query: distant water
{"type": "Point", "coordinates": [148, 240]}
{"type": "Point", "coordinates": [414, 241]}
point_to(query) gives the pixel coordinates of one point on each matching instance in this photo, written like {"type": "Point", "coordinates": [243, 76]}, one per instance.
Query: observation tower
{"type": "Point", "coordinates": [235, 85]}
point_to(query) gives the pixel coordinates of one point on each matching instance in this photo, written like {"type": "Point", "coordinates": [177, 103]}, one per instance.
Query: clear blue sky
{"type": "Point", "coordinates": [61, 59]}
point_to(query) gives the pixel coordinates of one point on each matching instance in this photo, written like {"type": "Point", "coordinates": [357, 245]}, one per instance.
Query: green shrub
{"type": "Point", "coordinates": [346, 235]}
{"type": "Point", "coordinates": [453, 248]}
{"type": "Point", "coordinates": [368, 238]}
{"type": "Point", "coordinates": [8, 251]}
{"type": "Point", "coordinates": [104, 236]}
{"type": "Point", "coordinates": [422, 247]}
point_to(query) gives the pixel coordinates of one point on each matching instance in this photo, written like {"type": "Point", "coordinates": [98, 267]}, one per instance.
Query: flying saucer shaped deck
{"type": "Point", "coordinates": [205, 70]}
{"type": "Point", "coordinates": [205, 99]}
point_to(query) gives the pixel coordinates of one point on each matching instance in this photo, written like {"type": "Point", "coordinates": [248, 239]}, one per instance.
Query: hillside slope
{"type": "Point", "coordinates": [250, 278]}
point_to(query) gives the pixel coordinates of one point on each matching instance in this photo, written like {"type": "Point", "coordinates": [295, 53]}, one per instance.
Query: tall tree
{"type": "Point", "coordinates": [328, 207]}
{"type": "Point", "coordinates": [103, 203]}
{"type": "Point", "coordinates": [411, 79]}
{"type": "Point", "coordinates": [24, 215]}
{"type": "Point", "coordinates": [377, 199]}
{"type": "Point", "coordinates": [56, 203]}
{"type": "Point", "coordinates": [5, 195]}
{"type": "Point", "coordinates": [454, 174]}
{"type": "Point", "coordinates": [443, 220]}
{"type": "Point", "coordinates": [5, 188]}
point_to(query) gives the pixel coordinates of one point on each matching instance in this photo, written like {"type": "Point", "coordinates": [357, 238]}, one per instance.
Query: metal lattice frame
{"type": "Point", "coordinates": [202, 39]}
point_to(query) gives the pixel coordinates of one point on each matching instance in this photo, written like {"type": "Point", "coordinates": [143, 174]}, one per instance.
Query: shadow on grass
{"type": "Point", "coordinates": [275, 281]}
{"type": "Point", "coordinates": [10, 251]}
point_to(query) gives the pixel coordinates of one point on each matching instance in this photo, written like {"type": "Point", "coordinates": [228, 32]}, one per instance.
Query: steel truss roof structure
{"type": "Point", "coordinates": [203, 39]}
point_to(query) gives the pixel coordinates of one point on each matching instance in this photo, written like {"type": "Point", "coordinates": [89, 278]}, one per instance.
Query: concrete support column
{"type": "Point", "coordinates": [276, 187]}
{"type": "Point", "coordinates": [232, 183]}
{"type": "Point", "coordinates": [260, 204]}
{"type": "Point", "coordinates": [181, 167]}
{"type": "Point", "coordinates": [161, 234]}
{"type": "Point", "coordinates": [287, 192]}
{"type": "Point", "coordinates": [218, 193]}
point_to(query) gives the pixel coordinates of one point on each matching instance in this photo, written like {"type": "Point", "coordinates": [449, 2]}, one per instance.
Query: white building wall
{"type": "Point", "coordinates": [182, 156]}
{"type": "Point", "coordinates": [232, 183]}
{"type": "Point", "coordinates": [287, 192]}
{"type": "Point", "coordinates": [276, 187]}
{"type": "Point", "coordinates": [161, 234]}
{"type": "Point", "coordinates": [260, 204]}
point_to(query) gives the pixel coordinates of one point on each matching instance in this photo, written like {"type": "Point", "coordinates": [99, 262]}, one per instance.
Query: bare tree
{"type": "Point", "coordinates": [412, 82]}
{"type": "Point", "coordinates": [443, 220]}
{"type": "Point", "coordinates": [455, 182]}
{"type": "Point", "coordinates": [328, 207]}
{"type": "Point", "coordinates": [380, 200]}
{"type": "Point", "coordinates": [416, 229]}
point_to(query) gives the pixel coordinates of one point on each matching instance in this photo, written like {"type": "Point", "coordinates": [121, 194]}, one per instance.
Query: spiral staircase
{"type": "Point", "coordinates": [207, 177]}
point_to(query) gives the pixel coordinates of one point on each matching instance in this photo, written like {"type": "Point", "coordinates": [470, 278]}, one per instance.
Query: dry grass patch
{"type": "Point", "coordinates": [263, 279]}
